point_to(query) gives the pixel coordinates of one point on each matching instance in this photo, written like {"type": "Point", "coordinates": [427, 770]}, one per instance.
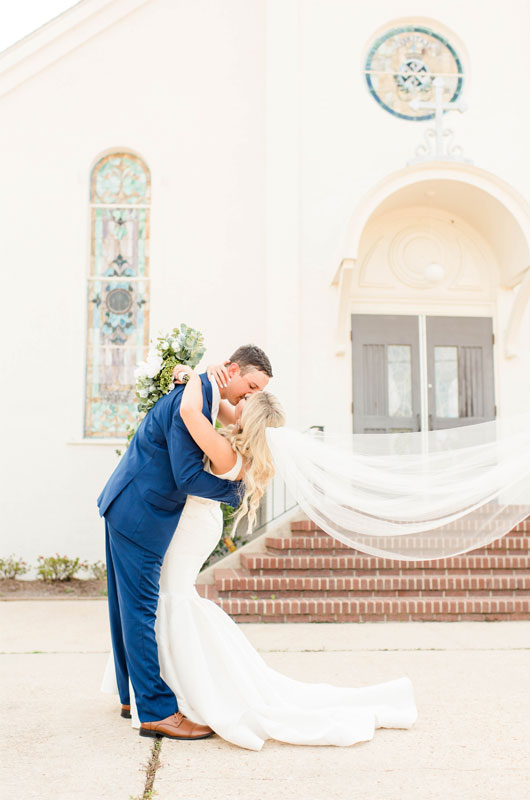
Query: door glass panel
{"type": "Point", "coordinates": [446, 381]}
{"type": "Point", "coordinates": [471, 392]}
{"type": "Point", "coordinates": [399, 374]}
{"type": "Point", "coordinates": [373, 377]}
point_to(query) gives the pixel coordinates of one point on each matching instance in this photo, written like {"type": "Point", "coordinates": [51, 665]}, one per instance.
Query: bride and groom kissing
{"type": "Point", "coordinates": [182, 668]}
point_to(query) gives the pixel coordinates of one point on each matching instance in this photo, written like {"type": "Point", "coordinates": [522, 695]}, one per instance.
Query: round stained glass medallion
{"type": "Point", "coordinates": [402, 65]}
{"type": "Point", "coordinates": [119, 301]}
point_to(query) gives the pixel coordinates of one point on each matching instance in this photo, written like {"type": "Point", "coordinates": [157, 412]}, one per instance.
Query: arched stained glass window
{"type": "Point", "coordinates": [118, 292]}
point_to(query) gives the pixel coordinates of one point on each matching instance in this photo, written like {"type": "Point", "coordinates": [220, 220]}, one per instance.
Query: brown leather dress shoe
{"type": "Point", "coordinates": [125, 711]}
{"type": "Point", "coordinates": [177, 726]}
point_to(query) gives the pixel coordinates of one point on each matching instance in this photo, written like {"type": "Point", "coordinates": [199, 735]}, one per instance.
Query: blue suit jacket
{"type": "Point", "coordinates": [144, 497]}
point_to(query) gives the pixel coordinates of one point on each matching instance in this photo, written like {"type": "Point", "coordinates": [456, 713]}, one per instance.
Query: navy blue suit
{"type": "Point", "coordinates": [142, 503]}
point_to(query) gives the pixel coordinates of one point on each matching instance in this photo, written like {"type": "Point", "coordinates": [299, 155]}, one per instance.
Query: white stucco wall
{"type": "Point", "coordinates": [182, 84]}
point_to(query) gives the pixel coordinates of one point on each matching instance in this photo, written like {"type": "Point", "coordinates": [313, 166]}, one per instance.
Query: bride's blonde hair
{"type": "Point", "coordinates": [262, 410]}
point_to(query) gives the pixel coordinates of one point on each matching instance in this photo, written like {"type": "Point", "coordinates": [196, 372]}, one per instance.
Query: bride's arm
{"type": "Point", "coordinates": [217, 448]}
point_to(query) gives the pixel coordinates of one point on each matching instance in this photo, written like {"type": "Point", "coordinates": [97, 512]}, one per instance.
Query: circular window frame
{"type": "Point", "coordinates": [411, 28]}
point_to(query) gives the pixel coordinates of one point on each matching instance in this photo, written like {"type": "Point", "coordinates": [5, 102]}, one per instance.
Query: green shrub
{"type": "Point", "coordinates": [98, 570]}
{"type": "Point", "coordinates": [11, 567]}
{"type": "Point", "coordinates": [59, 568]}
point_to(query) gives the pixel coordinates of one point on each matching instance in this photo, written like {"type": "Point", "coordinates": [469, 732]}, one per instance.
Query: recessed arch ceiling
{"type": "Point", "coordinates": [484, 212]}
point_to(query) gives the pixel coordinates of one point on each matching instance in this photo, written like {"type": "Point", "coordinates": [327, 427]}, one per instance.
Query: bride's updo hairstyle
{"type": "Point", "coordinates": [262, 410]}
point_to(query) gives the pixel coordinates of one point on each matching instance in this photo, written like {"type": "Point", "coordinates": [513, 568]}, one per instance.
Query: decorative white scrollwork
{"type": "Point", "coordinates": [428, 150]}
{"type": "Point", "coordinates": [438, 141]}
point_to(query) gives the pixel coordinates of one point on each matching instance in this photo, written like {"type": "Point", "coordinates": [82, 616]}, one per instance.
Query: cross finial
{"type": "Point", "coordinates": [448, 153]}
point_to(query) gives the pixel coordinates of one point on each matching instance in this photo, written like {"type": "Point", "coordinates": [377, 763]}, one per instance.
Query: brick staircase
{"type": "Point", "coordinates": [310, 577]}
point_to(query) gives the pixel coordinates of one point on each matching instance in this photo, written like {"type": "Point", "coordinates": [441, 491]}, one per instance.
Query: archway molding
{"type": "Point", "coordinates": [506, 206]}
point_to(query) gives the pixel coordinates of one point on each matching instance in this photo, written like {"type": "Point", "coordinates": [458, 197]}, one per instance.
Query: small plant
{"type": "Point", "coordinates": [59, 568]}
{"type": "Point", "coordinates": [12, 567]}
{"type": "Point", "coordinates": [98, 570]}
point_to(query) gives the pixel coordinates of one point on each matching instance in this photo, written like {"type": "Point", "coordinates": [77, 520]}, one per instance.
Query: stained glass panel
{"type": "Point", "coordinates": [120, 178]}
{"type": "Point", "coordinates": [118, 293]}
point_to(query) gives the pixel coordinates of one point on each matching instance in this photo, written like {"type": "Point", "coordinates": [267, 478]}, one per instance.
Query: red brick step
{"type": "Point", "coordinates": [368, 609]}
{"type": "Point", "coordinates": [346, 564]}
{"type": "Point", "coordinates": [209, 591]}
{"type": "Point", "coordinates": [309, 528]}
{"type": "Point", "coordinates": [299, 545]}
{"type": "Point", "coordinates": [231, 583]}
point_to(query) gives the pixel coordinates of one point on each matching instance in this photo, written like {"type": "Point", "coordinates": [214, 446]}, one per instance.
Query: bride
{"type": "Point", "coordinates": [220, 680]}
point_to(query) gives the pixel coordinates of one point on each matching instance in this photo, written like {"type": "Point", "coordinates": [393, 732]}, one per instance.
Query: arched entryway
{"type": "Point", "coordinates": [435, 272]}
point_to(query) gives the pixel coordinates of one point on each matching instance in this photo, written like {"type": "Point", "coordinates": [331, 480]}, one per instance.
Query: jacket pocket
{"type": "Point", "coordinates": [159, 501]}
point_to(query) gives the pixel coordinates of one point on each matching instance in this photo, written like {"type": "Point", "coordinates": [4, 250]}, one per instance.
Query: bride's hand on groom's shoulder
{"type": "Point", "coordinates": [220, 373]}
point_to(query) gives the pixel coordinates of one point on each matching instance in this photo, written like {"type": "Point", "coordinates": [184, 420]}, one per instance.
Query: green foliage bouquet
{"type": "Point", "coordinates": [154, 379]}
{"type": "Point", "coordinates": [154, 376]}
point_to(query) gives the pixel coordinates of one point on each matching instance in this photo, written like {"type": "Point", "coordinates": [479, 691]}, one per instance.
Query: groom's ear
{"type": "Point", "coordinates": [233, 369]}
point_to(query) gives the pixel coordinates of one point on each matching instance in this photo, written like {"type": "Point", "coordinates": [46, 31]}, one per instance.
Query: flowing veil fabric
{"type": "Point", "coordinates": [411, 496]}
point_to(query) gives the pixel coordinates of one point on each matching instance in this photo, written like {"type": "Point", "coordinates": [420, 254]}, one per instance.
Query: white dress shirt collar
{"type": "Point", "coordinates": [216, 399]}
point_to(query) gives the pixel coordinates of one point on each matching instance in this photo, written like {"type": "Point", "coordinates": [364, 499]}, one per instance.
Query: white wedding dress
{"type": "Point", "coordinates": [220, 680]}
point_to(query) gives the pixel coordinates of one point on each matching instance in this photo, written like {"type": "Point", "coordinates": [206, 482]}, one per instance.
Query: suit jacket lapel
{"type": "Point", "coordinates": [207, 390]}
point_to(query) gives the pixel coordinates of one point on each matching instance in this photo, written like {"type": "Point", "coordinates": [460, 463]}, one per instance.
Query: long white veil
{"type": "Point", "coordinates": [411, 496]}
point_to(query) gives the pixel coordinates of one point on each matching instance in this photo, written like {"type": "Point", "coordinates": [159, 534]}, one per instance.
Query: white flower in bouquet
{"type": "Point", "coordinates": [141, 371]}
{"type": "Point", "coordinates": [154, 376]}
{"type": "Point", "coordinates": [154, 364]}
{"type": "Point", "coordinates": [150, 367]}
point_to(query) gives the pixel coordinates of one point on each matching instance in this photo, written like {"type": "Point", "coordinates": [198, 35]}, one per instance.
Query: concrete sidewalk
{"type": "Point", "coordinates": [63, 739]}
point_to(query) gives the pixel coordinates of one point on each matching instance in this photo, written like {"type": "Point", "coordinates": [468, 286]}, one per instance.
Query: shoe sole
{"type": "Point", "coordinates": [125, 714]}
{"type": "Point", "coordinates": [160, 735]}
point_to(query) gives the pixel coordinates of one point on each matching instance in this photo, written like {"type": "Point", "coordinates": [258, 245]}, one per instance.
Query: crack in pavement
{"type": "Point", "coordinates": [151, 769]}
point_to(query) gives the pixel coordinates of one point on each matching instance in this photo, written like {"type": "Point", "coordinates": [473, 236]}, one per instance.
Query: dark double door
{"type": "Point", "coordinates": [416, 373]}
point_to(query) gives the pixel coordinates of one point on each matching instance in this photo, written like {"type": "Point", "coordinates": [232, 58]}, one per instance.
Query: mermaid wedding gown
{"type": "Point", "coordinates": [220, 680]}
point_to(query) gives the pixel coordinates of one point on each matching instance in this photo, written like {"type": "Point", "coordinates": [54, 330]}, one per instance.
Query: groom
{"type": "Point", "coordinates": [142, 503]}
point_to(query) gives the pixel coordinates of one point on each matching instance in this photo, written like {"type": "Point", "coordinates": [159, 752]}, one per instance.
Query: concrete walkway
{"type": "Point", "coordinates": [63, 739]}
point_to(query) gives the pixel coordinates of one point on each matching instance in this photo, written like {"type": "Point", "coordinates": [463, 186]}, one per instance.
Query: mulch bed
{"type": "Point", "coordinates": [13, 589]}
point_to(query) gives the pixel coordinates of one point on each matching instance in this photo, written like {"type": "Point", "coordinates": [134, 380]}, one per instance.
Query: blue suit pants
{"type": "Point", "coordinates": [133, 575]}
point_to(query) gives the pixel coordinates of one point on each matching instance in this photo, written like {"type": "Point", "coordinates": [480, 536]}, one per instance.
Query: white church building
{"type": "Point", "coordinates": [345, 184]}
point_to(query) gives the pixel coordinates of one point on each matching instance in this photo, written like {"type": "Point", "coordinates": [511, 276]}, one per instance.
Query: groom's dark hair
{"type": "Point", "coordinates": [248, 357]}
